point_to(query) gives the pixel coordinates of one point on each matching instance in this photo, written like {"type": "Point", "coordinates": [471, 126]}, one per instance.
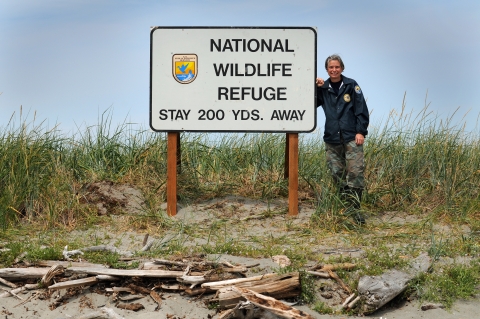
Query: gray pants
{"type": "Point", "coordinates": [346, 164]}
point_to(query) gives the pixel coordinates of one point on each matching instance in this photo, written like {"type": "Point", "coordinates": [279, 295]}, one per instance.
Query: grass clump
{"type": "Point", "coordinates": [451, 283]}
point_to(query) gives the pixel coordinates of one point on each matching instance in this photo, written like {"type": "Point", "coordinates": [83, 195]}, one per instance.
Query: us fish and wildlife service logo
{"type": "Point", "coordinates": [185, 67]}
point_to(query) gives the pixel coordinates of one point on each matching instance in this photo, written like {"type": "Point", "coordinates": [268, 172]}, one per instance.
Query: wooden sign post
{"type": "Point", "coordinates": [173, 142]}
{"type": "Point", "coordinates": [292, 142]}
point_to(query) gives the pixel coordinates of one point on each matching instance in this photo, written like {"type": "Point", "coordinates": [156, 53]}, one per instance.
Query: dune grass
{"type": "Point", "coordinates": [416, 163]}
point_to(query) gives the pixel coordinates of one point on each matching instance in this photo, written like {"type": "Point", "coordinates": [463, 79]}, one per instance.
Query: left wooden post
{"type": "Point", "coordinates": [173, 149]}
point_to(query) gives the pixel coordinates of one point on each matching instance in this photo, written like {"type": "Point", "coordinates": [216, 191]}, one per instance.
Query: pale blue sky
{"type": "Point", "coordinates": [70, 60]}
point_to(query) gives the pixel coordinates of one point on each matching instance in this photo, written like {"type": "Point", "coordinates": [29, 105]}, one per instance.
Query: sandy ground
{"type": "Point", "coordinates": [242, 219]}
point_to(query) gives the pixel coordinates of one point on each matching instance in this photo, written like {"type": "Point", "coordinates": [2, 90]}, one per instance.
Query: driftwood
{"type": "Point", "coordinates": [130, 306]}
{"type": "Point", "coordinates": [272, 305]}
{"type": "Point", "coordinates": [82, 282]}
{"type": "Point", "coordinates": [157, 298]}
{"type": "Point", "coordinates": [127, 272]}
{"type": "Point", "coordinates": [55, 270]}
{"type": "Point", "coordinates": [23, 273]}
{"type": "Point", "coordinates": [333, 275]}
{"type": "Point", "coordinates": [376, 291]}
{"type": "Point", "coordinates": [429, 306]}
{"type": "Point", "coordinates": [68, 253]}
{"type": "Point", "coordinates": [346, 302]}
{"type": "Point", "coordinates": [19, 289]}
{"type": "Point", "coordinates": [327, 267]}
{"type": "Point", "coordinates": [8, 283]}
{"type": "Point", "coordinates": [230, 282]}
{"type": "Point", "coordinates": [279, 286]}
{"type": "Point", "coordinates": [129, 297]}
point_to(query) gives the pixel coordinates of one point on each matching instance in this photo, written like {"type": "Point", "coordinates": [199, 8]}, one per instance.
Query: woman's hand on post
{"type": "Point", "coordinates": [319, 81]}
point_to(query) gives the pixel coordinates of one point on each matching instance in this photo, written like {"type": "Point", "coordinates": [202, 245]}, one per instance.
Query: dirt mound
{"type": "Point", "coordinates": [110, 198]}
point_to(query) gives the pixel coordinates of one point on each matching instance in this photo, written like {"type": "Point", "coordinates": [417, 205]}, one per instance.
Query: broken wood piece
{"type": "Point", "coordinates": [19, 289]}
{"type": "Point", "coordinates": [8, 283]}
{"type": "Point", "coordinates": [130, 306]}
{"type": "Point", "coordinates": [82, 282]}
{"type": "Point", "coordinates": [74, 283]}
{"type": "Point", "coordinates": [55, 270]}
{"type": "Point", "coordinates": [429, 306]}
{"type": "Point", "coordinates": [278, 286]}
{"type": "Point", "coordinates": [119, 289]}
{"type": "Point", "coordinates": [157, 298]}
{"type": "Point", "coordinates": [198, 291]}
{"type": "Point", "coordinates": [271, 304]}
{"type": "Point", "coordinates": [130, 297]}
{"type": "Point", "coordinates": [352, 304]}
{"type": "Point", "coordinates": [147, 246]}
{"type": "Point", "coordinates": [23, 273]}
{"type": "Point", "coordinates": [126, 272]}
{"type": "Point", "coordinates": [68, 253]}
{"type": "Point", "coordinates": [345, 303]}
{"type": "Point", "coordinates": [13, 293]}
{"type": "Point", "coordinates": [376, 291]}
{"type": "Point", "coordinates": [173, 287]}
{"type": "Point", "coordinates": [334, 275]}
{"type": "Point", "coordinates": [139, 289]}
{"type": "Point", "coordinates": [227, 314]}
{"type": "Point", "coordinates": [192, 280]}
{"type": "Point", "coordinates": [327, 267]}
{"type": "Point", "coordinates": [230, 282]}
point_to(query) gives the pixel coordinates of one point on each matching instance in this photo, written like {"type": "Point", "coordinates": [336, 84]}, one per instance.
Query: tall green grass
{"type": "Point", "coordinates": [415, 162]}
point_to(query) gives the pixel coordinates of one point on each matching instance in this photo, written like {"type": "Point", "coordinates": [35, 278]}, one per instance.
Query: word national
{"type": "Point", "coordinates": [251, 45]}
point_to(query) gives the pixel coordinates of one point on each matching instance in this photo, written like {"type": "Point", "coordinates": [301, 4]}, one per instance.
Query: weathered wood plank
{"type": "Point", "coordinates": [376, 291]}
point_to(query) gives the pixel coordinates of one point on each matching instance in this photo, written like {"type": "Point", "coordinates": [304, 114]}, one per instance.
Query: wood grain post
{"type": "Point", "coordinates": [287, 143]}
{"type": "Point", "coordinates": [179, 155]}
{"type": "Point", "coordinates": [292, 174]}
{"type": "Point", "coordinates": [172, 153]}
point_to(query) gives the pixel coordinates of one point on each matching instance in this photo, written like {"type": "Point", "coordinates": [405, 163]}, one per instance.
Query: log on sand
{"type": "Point", "coordinates": [376, 291]}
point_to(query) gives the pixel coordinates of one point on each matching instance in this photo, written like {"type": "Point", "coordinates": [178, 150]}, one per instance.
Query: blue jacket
{"type": "Point", "coordinates": [345, 114]}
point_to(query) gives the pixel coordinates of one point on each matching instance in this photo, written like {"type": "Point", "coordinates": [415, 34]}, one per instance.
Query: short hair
{"type": "Point", "coordinates": [334, 57]}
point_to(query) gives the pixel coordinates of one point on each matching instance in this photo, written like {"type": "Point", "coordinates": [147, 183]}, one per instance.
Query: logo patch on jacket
{"type": "Point", "coordinates": [357, 90]}
{"type": "Point", "coordinates": [346, 97]}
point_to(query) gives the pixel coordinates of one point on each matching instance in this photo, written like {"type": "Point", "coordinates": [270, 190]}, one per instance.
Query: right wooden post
{"type": "Point", "coordinates": [292, 147]}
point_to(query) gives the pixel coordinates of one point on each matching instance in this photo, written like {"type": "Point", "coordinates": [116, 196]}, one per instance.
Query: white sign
{"type": "Point", "coordinates": [233, 79]}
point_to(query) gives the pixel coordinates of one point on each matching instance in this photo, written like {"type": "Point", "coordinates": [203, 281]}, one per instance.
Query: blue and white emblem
{"type": "Point", "coordinates": [357, 90]}
{"type": "Point", "coordinates": [184, 67]}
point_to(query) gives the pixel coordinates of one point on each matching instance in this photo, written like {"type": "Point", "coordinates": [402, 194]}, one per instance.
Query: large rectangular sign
{"type": "Point", "coordinates": [233, 79]}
